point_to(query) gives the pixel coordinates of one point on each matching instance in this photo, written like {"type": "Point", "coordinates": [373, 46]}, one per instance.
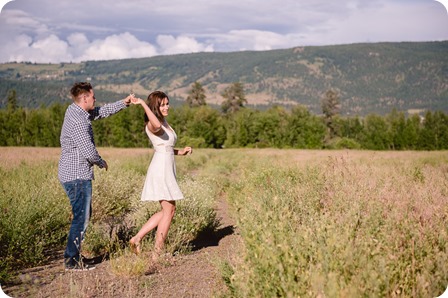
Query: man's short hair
{"type": "Point", "coordinates": [80, 88]}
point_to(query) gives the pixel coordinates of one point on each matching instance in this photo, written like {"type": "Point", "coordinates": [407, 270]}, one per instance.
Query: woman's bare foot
{"type": "Point", "coordinates": [156, 254]}
{"type": "Point", "coordinates": [135, 246]}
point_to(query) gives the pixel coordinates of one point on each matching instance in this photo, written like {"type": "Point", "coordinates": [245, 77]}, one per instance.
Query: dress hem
{"type": "Point", "coordinates": [158, 200]}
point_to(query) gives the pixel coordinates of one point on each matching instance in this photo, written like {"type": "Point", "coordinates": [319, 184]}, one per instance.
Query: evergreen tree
{"type": "Point", "coordinates": [12, 100]}
{"type": "Point", "coordinates": [234, 98]}
{"type": "Point", "coordinates": [330, 108]}
{"type": "Point", "coordinates": [196, 96]}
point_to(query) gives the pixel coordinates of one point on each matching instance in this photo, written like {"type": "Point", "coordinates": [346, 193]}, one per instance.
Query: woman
{"type": "Point", "coordinates": [160, 184]}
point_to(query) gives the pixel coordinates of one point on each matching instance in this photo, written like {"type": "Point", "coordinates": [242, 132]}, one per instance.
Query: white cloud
{"type": "Point", "coordinates": [78, 43]}
{"type": "Point", "coordinates": [78, 39]}
{"type": "Point", "coordinates": [182, 44]}
{"type": "Point", "coordinates": [386, 21]}
{"type": "Point", "coordinates": [61, 31]}
{"type": "Point", "coordinates": [17, 49]}
{"type": "Point", "coordinates": [51, 48]}
{"type": "Point", "coordinates": [18, 20]}
{"type": "Point", "coordinates": [76, 49]}
{"type": "Point", "coordinates": [119, 46]}
{"type": "Point", "coordinates": [257, 40]}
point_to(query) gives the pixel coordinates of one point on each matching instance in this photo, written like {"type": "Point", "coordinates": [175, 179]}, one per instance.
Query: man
{"type": "Point", "coordinates": [78, 156]}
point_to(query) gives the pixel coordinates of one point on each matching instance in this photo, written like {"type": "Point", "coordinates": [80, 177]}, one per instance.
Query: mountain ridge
{"type": "Point", "coordinates": [369, 77]}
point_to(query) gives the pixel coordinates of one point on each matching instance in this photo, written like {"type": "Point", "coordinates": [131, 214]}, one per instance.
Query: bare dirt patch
{"type": "Point", "coordinates": [195, 274]}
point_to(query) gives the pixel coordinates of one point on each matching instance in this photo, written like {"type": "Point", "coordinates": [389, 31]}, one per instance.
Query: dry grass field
{"type": "Point", "coordinates": [303, 223]}
{"type": "Point", "coordinates": [11, 157]}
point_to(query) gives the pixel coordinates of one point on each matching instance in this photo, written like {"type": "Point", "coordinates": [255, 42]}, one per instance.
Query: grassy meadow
{"type": "Point", "coordinates": [313, 223]}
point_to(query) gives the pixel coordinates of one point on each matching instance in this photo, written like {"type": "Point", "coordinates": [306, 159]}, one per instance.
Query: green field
{"type": "Point", "coordinates": [313, 223]}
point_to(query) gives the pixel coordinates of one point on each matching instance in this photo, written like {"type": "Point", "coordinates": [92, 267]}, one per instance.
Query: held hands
{"type": "Point", "coordinates": [136, 100]}
{"type": "Point", "coordinates": [132, 99]}
{"type": "Point", "coordinates": [128, 99]}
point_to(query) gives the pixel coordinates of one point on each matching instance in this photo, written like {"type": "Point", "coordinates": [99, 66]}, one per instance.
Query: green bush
{"type": "Point", "coordinates": [35, 216]}
{"type": "Point", "coordinates": [343, 143]}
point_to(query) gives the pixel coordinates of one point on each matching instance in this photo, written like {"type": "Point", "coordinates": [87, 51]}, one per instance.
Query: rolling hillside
{"type": "Point", "coordinates": [370, 78]}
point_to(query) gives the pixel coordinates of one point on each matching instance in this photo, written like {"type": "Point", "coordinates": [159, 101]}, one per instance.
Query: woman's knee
{"type": "Point", "coordinates": [169, 208]}
{"type": "Point", "coordinates": [171, 211]}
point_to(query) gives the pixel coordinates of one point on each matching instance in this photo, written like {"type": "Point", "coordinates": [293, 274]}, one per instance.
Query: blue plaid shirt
{"type": "Point", "coordinates": [78, 151]}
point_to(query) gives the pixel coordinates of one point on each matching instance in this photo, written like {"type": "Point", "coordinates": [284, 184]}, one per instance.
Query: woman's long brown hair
{"type": "Point", "coordinates": [154, 101]}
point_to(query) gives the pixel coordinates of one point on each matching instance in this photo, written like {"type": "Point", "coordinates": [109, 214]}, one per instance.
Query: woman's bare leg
{"type": "Point", "coordinates": [152, 222]}
{"type": "Point", "coordinates": [168, 208]}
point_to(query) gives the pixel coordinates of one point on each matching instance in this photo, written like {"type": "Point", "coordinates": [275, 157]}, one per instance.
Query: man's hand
{"type": "Point", "coordinates": [136, 100]}
{"type": "Point", "coordinates": [128, 99]}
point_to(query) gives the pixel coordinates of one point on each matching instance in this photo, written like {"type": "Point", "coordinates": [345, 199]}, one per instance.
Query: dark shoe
{"type": "Point", "coordinates": [88, 261]}
{"type": "Point", "coordinates": [79, 267]}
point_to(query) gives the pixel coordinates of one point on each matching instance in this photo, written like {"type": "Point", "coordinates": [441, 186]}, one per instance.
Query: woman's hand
{"type": "Point", "coordinates": [185, 151]}
{"type": "Point", "coordinates": [136, 100]}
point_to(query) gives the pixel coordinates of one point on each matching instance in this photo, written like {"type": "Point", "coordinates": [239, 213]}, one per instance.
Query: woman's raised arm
{"type": "Point", "coordinates": [153, 124]}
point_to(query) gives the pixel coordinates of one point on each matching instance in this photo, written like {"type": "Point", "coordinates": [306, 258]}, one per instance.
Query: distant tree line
{"type": "Point", "coordinates": [235, 126]}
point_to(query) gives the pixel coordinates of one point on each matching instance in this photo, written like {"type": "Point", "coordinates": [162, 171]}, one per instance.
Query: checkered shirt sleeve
{"type": "Point", "coordinates": [78, 151]}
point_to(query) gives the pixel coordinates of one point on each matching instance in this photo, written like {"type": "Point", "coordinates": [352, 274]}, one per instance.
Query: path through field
{"type": "Point", "coordinates": [196, 274]}
{"type": "Point", "coordinates": [190, 275]}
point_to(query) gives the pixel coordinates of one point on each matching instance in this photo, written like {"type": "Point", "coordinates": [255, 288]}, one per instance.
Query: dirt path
{"type": "Point", "coordinates": [197, 274]}
{"type": "Point", "coordinates": [193, 275]}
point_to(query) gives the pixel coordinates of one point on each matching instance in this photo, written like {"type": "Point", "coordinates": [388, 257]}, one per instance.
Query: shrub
{"type": "Point", "coordinates": [343, 143]}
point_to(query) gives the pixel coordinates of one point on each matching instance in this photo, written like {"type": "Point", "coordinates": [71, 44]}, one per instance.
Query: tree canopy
{"type": "Point", "coordinates": [196, 96]}
{"type": "Point", "coordinates": [234, 98]}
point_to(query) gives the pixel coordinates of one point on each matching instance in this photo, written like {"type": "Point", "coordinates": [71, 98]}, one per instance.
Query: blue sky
{"type": "Point", "coordinates": [46, 31]}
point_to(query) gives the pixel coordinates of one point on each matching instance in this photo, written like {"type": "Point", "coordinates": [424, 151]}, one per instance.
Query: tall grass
{"type": "Point", "coordinates": [313, 223]}
{"type": "Point", "coordinates": [36, 212]}
{"type": "Point", "coordinates": [342, 226]}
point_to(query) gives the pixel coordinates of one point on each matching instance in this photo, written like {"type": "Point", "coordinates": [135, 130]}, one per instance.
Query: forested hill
{"type": "Point", "coordinates": [370, 77]}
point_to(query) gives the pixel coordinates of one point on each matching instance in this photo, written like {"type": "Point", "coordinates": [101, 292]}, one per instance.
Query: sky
{"type": "Point", "coordinates": [49, 31]}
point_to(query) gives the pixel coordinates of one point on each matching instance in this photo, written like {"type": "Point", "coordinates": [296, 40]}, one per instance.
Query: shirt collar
{"type": "Point", "coordinates": [80, 110]}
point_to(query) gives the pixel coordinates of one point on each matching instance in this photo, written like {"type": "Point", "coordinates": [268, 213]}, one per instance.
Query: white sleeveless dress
{"type": "Point", "coordinates": [160, 183]}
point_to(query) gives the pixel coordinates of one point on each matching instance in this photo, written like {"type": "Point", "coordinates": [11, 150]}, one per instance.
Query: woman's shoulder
{"type": "Point", "coordinates": [158, 134]}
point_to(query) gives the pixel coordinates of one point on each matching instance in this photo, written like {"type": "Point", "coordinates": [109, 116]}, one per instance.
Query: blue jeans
{"type": "Point", "coordinates": [79, 193]}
